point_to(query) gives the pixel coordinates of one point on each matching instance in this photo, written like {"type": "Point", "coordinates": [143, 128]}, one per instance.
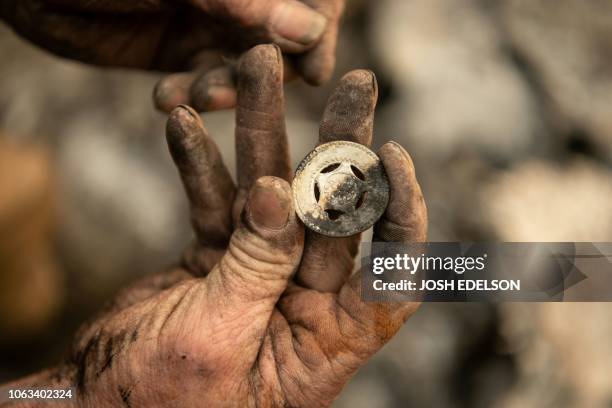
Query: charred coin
{"type": "Point", "coordinates": [340, 189]}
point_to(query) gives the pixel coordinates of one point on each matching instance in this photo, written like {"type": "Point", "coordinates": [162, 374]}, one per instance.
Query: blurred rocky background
{"type": "Point", "coordinates": [505, 106]}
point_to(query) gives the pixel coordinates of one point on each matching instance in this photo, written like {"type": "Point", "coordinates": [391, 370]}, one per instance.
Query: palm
{"type": "Point", "coordinates": [259, 314]}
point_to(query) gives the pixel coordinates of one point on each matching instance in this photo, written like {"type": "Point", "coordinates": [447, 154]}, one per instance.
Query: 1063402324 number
{"type": "Point", "coordinates": [37, 394]}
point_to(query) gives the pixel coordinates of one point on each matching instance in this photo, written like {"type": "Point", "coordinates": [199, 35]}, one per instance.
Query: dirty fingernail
{"type": "Point", "coordinates": [297, 22]}
{"type": "Point", "coordinates": [269, 203]}
{"type": "Point", "coordinates": [399, 149]}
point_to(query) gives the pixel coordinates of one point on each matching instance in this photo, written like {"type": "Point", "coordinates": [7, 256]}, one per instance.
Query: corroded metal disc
{"type": "Point", "coordinates": [340, 189]}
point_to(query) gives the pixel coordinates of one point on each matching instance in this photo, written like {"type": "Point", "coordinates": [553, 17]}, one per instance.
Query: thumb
{"type": "Point", "coordinates": [263, 252]}
{"type": "Point", "coordinates": [292, 25]}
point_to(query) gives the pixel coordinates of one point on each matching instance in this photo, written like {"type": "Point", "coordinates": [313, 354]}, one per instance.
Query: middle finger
{"type": "Point", "coordinates": [349, 115]}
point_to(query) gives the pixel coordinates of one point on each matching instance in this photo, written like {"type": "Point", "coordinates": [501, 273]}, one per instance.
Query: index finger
{"type": "Point", "coordinates": [261, 139]}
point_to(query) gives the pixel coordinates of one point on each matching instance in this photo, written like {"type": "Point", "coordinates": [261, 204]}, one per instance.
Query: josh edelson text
{"type": "Point", "coordinates": [422, 273]}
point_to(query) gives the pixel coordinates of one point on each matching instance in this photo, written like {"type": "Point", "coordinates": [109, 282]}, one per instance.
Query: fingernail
{"type": "Point", "coordinates": [391, 148]}
{"type": "Point", "coordinates": [269, 203]}
{"type": "Point", "coordinates": [183, 127]}
{"type": "Point", "coordinates": [394, 151]}
{"type": "Point", "coordinates": [185, 117]}
{"type": "Point", "coordinates": [399, 149]}
{"type": "Point", "coordinates": [396, 146]}
{"type": "Point", "coordinates": [182, 108]}
{"type": "Point", "coordinates": [297, 22]}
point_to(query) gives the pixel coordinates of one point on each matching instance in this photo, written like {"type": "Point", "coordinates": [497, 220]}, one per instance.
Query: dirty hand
{"type": "Point", "coordinates": [261, 314]}
{"type": "Point", "coordinates": [183, 35]}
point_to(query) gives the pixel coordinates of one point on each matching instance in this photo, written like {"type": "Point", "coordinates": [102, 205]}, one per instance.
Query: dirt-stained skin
{"type": "Point", "coordinates": [259, 313]}
{"type": "Point", "coordinates": [195, 39]}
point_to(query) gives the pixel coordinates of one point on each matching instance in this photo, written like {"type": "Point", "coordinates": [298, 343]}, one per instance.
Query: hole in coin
{"type": "Point", "coordinates": [357, 173]}
{"type": "Point", "coordinates": [330, 168]}
{"type": "Point", "coordinates": [334, 214]}
{"type": "Point", "coordinates": [317, 192]}
{"type": "Point", "coordinates": [361, 200]}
